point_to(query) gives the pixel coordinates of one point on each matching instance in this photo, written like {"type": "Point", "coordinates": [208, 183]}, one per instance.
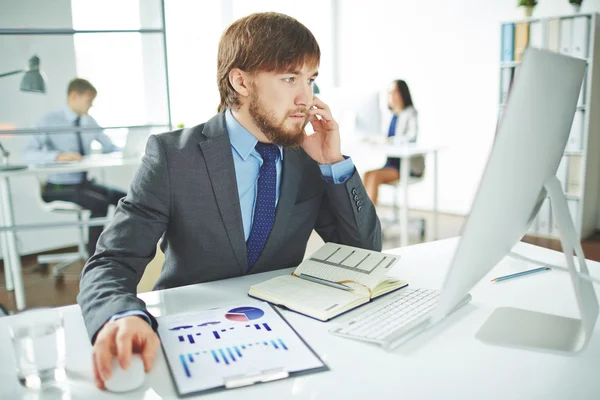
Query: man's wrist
{"type": "Point", "coordinates": [333, 160]}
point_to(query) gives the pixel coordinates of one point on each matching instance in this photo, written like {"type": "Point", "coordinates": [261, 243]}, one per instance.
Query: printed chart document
{"type": "Point", "coordinates": [229, 347]}
{"type": "Point", "coordinates": [335, 279]}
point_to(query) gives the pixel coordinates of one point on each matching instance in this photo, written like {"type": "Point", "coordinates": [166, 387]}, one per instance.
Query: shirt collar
{"type": "Point", "coordinates": [242, 141]}
{"type": "Point", "coordinates": [69, 114]}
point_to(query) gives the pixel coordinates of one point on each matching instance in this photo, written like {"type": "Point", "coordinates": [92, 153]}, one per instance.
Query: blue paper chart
{"type": "Point", "coordinates": [204, 348]}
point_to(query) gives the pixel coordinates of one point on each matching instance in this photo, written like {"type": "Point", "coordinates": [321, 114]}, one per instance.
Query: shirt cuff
{"type": "Point", "coordinates": [129, 313]}
{"type": "Point", "coordinates": [339, 172]}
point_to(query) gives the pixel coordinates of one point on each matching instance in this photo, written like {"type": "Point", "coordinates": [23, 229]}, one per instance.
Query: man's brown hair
{"type": "Point", "coordinates": [80, 86]}
{"type": "Point", "coordinates": [263, 42]}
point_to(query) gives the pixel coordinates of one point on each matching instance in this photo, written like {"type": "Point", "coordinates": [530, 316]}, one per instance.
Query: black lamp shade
{"type": "Point", "coordinates": [33, 81]}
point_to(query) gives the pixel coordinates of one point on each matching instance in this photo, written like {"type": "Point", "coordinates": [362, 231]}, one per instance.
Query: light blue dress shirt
{"type": "Point", "coordinates": [44, 148]}
{"type": "Point", "coordinates": [247, 162]}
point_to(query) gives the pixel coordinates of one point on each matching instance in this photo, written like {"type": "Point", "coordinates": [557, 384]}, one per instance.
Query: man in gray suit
{"type": "Point", "coordinates": [239, 194]}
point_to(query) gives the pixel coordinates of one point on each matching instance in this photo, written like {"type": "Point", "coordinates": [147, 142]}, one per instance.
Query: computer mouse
{"type": "Point", "coordinates": [124, 380]}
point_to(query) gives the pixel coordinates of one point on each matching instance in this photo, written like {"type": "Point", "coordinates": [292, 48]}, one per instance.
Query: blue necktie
{"type": "Point", "coordinates": [264, 209]}
{"type": "Point", "coordinates": [80, 143]}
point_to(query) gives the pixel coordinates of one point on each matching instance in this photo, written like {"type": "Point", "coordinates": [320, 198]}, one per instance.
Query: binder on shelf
{"type": "Point", "coordinates": [575, 142]}
{"type": "Point", "coordinates": [507, 74]}
{"type": "Point", "coordinates": [533, 228]}
{"type": "Point", "coordinates": [555, 231]}
{"type": "Point", "coordinates": [566, 29]}
{"type": "Point", "coordinates": [544, 223]}
{"type": "Point", "coordinates": [574, 176]}
{"type": "Point", "coordinates": [508, 38]}
{"type": "Point", "coordinates": [573, 205]}
{"type": "Point", "coordinates": [574, 211]}
{"type": "Point", "coordinates": [581, 101]}
{"type": "Point", "coordinates": [536, 35]}
{"type": "Point", "coordinates": [561, 173]}
{"type": "Point", "coordinates": [521, 39]}
{"type": "Point", "coordinates": [553, 37]}
{"type": "Point", "coordinates": [580, 37]}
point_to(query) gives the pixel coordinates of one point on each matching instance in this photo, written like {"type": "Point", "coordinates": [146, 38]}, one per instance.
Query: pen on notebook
{"type": "Point", "coordinates": [531, 271]}
{"type": "Point", "coordinates": [325, 282]}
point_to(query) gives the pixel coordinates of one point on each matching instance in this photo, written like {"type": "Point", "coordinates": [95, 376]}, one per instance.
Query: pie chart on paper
{"type": "Point", "coordinates": [244, 314]}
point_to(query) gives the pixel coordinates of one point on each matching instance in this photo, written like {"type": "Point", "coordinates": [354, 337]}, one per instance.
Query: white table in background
{"type": "Point", "coordinates": [446, 362]}
{"type": "Point", "coordinates": [8, 240]}
{"type": "Point", "coordinates": [404, 152]}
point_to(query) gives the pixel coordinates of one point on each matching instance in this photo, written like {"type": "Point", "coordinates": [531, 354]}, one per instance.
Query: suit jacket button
{"type": "Point", "coordinates": [359, 203]}
{"type": "Point", "coordinates": [356, 198]}
{"type": "Point", "coordinates": [354, 191]}
{"type": "Point", "coordinates": [359, 208]}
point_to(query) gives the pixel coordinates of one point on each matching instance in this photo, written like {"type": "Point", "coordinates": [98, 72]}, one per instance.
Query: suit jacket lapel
{"type": "Point", "coordinates": [221, 170]}
{"type": "Point", "coordinates": [290, 181]}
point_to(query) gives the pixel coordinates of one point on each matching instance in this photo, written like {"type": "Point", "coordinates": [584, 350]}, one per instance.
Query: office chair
{"type": "Point", "coordinates": [63, 259]}
{"type": "Point", "coordinates": [397, 187]}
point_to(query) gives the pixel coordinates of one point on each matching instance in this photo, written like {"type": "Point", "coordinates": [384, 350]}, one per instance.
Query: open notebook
{"type": "Point", "coordinates": [363, 272]}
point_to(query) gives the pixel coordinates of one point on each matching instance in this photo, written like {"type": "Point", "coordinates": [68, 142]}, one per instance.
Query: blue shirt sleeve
{"type": "Point", "coordinates": [338, 172]}
{"type": "Point", "coordinates": [129, 313]}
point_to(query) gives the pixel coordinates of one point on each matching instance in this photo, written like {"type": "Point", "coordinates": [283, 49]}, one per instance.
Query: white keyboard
{"type": "Point", "coordinates": [399, 313]}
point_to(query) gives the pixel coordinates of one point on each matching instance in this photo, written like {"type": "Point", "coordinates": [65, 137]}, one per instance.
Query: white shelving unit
{"type": "Point", "coordinates": [573, 35]}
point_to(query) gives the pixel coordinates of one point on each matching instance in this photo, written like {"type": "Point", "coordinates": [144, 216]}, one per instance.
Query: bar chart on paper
{"type": "Point", "coordinates": [203, 348]}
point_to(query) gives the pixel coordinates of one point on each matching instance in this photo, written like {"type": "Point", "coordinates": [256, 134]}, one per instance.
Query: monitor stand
{"type": "Point", "coordinates": [513, 327]}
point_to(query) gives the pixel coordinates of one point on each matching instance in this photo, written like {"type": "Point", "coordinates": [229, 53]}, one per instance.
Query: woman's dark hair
{"type": "Point", "coordinates": [404, 92]}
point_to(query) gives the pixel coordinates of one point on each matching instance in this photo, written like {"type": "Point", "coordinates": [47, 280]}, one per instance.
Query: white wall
{"type": "Point", "coordinates": [448, 52]}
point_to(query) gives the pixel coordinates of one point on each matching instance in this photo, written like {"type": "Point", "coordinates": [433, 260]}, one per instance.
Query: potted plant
{"type": "Point", "coordinates": [576, 4]}
{"type": "Point", "coordinates": [527, 6]}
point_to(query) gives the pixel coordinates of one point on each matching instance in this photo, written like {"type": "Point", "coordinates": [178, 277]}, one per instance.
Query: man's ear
{"type": "Point", "coordinates": [240, 81]}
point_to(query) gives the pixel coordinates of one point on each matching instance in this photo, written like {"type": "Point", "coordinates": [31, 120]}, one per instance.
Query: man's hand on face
{"type": "Point", "coordinates": [324, 145]}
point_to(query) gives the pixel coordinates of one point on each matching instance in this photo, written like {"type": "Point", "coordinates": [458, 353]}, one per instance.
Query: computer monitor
{"type": "Point", "coordinates": [368, 114]}
{"type": "Point", "coordinates": [135, 144]}
{"type": "Point", "coordinates": [521, 169]}
{"type": "Point", "coordinates": [358, 112]}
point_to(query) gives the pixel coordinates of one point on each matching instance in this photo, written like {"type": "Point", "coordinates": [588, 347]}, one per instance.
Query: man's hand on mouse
{"type": "Point", "coordinates": [119, 339]}
{"type": "Point", "coordinates": [323, 146]}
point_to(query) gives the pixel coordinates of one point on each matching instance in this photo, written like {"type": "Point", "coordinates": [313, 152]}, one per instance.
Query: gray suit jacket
{"type": "Point", "coordinates": [185, 191]}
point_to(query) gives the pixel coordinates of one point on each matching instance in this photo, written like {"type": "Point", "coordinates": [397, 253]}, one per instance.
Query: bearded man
{"type": "Point", "coordinates": [239, 194]}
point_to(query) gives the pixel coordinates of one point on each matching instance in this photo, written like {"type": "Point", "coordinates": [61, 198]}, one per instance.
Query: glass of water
{"type": "Point", "coordinates": [38, 339]}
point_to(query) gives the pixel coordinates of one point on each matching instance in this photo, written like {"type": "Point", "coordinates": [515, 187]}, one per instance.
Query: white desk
{"type": "Point", "coordinates": [8, 241]}
{"type": "Point", "coordinates": [444, 362]}
{"type": "Point", "coordinates": [404, 152]}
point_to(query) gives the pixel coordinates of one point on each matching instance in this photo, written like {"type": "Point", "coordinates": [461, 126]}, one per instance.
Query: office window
{"type": "Point", "coordinates": [126, 68]}
{"type": "Point", "coordinates": [193, 32]}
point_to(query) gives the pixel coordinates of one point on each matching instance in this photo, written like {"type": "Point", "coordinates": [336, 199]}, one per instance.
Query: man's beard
{"type": "Point", "coordinates": [276, 132]}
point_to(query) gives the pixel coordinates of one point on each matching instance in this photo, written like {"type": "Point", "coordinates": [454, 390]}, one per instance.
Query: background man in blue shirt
{"type": "Point", "coordinates": [71, 145]}
{"type": "Point", "coordinates": [237, 195]}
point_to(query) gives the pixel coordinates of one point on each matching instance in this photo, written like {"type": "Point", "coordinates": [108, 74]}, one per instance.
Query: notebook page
{"type": "Point", "coordinates": [308, 294]}
{"type": "Point", "coordinates": [338, 263]}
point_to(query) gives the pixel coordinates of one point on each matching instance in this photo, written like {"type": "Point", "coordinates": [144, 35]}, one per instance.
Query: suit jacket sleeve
{"type": "Point", "coordinates": [347, 215]}
{"type": "Point", "coordinates": [109, 280]}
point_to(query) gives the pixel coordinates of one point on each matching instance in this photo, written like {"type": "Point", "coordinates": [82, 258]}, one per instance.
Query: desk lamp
{"type": "Point", "coordinates": [33, 81]}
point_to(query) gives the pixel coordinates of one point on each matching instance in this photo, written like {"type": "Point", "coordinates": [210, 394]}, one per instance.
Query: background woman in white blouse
{"type": "Point", "coordinates": [404, 128]}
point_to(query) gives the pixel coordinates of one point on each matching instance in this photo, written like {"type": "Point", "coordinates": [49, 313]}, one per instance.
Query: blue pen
{"type": "Point", "coordinates": [531, 271]}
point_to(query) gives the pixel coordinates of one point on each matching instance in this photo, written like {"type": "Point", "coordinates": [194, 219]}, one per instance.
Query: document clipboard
{"type": "Point", "coordinates": [232, 347]}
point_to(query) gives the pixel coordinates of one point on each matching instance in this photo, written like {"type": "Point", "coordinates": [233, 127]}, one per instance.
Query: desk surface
{"type": "Point", "coordinates": [444, 362]}
{"type": "Point", "coordinates": [88, 162]}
